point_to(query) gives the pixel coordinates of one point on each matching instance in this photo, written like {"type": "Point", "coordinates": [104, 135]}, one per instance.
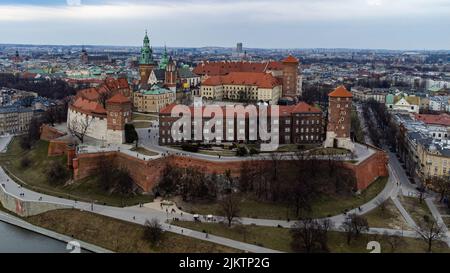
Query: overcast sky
{"type": "Point", "coordinates": [389, 24]}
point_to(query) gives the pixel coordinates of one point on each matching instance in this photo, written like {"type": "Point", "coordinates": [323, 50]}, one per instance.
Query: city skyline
{"type": "Point", "coordinates": [372, 24]}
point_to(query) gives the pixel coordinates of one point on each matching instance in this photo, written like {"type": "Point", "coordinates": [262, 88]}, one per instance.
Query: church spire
{"type": "Point", "coordinates": [146, 51]}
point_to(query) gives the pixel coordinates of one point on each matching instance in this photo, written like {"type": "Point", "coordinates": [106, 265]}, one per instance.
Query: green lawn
{"type": "Point", "coordinates": [117, 235]}
{"type": "Point", "coordinates": [143, 117]}
{"type": "Point", "coordinates": [218, 152]}
{"type": "Point", "coordinates": [34, 176]}
{"type": "Point", "coordinates": [144, 151]}
{"type": "Point", "coordinates": [280, 238]}
{"type": "Point", "coordinates": [322, 207]}
{"type": "Point", "coordinates": [142, 124]}
{"type": "Point", "coordinates": [389, 217]}
{"type": "Point", "coordinates": [329, 151]}
{"type": "Point", "coordinates": [416, 210]}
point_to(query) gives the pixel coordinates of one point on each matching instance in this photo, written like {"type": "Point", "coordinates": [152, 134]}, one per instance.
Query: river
{"type": "Point", "coordinates": [17, 240]}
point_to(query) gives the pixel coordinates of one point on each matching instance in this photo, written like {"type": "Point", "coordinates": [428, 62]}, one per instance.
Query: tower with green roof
{"type": "Point", "coordinates": [164, 59]}
{"type": "Point", "coordinates": [146, 61]}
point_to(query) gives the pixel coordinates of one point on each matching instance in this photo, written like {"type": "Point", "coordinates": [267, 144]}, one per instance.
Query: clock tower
{"type": "Point", "coordinates": [339, 119]}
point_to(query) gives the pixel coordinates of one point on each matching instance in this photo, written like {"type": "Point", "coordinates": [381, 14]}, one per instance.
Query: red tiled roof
{"type": "Point", "coordinates": [89, 94]}
{"type": "Point", "coordinates": [224, 68]}
{"type": "Point", "coordinates": [112, 83]}
{"type": "Point", "coordinates": [303, 107]}
{"type": "Point", "coordinates": [291, 59]}
{"type": "Point", "coordinates": [284, 110]}
{"type": "Point", "coordinates": [441, 119]}
{"type": "Point", "coordinates": [341, 92]}
{"type": "Point", "coordinates": [262, 80]}
{"type": "Point", "coordinates": [118, 98]}
{"type": "Point", "coordinates": [88, 106]}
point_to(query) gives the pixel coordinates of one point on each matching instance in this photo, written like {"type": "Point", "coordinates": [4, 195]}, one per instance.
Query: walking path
{"type": "Point", "coordinates": [437, 216]}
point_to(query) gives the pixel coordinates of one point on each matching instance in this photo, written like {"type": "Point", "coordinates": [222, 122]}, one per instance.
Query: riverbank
{"type": "Point", "coordinates": [13, 220]}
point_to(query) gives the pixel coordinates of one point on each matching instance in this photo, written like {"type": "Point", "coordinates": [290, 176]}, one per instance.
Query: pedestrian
{"type": "Point", "coordinates": [181, 231]}
{"type": "Point", "coordinates": [134, 217]}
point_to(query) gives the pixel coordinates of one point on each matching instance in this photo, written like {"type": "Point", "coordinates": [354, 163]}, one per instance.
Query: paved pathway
{"type": "Point", "coordinates": [437, 216]}
{"type": "Point", "coordinates": [4, 142]}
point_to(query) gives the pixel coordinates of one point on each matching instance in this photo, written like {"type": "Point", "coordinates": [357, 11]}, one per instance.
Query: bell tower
{"type": "Point", "coordinates": [171, 75]}
{"type": "Point", "coordinates": [146, 61]}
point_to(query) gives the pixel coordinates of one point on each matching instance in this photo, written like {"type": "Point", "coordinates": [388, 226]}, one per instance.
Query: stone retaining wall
{"type": "Point", "coordinates": [26, 208]}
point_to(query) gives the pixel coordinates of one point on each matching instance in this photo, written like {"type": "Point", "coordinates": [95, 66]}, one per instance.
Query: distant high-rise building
{"type": "Point", "coordinates": [239, 48]}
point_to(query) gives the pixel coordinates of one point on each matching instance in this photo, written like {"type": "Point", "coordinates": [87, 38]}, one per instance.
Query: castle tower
{"type": "Point", "coordinates": [164, 59]}
{"type": "Point", "coordinates": [119, 113]}
{"type": "Point", "coordinates": [339, 119]}
{"type": "Point", "coordinates": [146, 61]}
{"type": "Point", "coordinates": [290, 77]}
{"type": "Point", "coordinates": [171, 75]}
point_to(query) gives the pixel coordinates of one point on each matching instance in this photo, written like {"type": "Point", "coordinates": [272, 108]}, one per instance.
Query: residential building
{"type": "Point", "coordinates": [403, 103]}
{"type": "Point", "coordinates": [15, 120]}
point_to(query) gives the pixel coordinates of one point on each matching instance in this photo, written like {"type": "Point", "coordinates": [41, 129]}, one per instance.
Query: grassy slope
{"type": "Point", "coordinates": [324, 206]}
{"type": "Point", "coordinates": [85, 190]}
{"type": "Point", "coordinates": [389, 218]}
{"type": "Point", "coordinates": [279, 239]}
{"type": "Point", "coordinates": [117, 235]}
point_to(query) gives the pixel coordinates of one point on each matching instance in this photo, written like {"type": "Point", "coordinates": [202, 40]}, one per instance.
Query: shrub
{"type": "Point", "coordinates": [25, 143]}
{"type": "Point", "coordinates": [190, 147]}
{"type": "Point", "coordinates": [56, 173]}
{"type": "Point", "coordinates": [241, 151]}
{"type": "Point", "coordinates": [253, 151]}
{"type": "Point", "coordinates": [25, 162]}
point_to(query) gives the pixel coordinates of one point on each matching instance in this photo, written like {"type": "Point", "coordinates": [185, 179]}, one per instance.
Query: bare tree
{"type": "Point", "coordinates": [310, 235]}
{"type": "Point", "coordinates": [229, 206]}
{"type": "Point", "coordinates": [153, 232]}
{"type": "Point", "coordinates": [382, 204]}
{"type": "Point", "coordinates": [441, 185]}
{"type": "Point", "coordinates": [78, 128]}
{"type": "Point", "coordinates": [354, 225]}
{"type": "Point", "coordinates": [395, 241]}
{"type": "Point", "coordinates": [430, 231]}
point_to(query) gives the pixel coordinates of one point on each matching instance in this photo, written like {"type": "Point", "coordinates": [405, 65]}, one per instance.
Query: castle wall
{"type": "Point", "coordinates": [147, 173]}
{"type": "Point", "coordinates": [97, 125]}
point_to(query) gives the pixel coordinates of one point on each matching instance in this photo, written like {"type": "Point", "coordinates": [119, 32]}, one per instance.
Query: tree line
{"type": "Point", "coordinates": [295, 183]}
{"type": "Point", "coordinates": [49, 88]}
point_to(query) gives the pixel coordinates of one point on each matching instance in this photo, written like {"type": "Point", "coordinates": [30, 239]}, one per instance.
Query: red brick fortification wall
{"type": "Point", "coordinates": [57, 147]}
{"type": "Point", "coordinates": [370, 169]}
{"type": "Point", "coordinates": [147, 173]}
{"type": "Point", "coordinates": [49, 133]}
